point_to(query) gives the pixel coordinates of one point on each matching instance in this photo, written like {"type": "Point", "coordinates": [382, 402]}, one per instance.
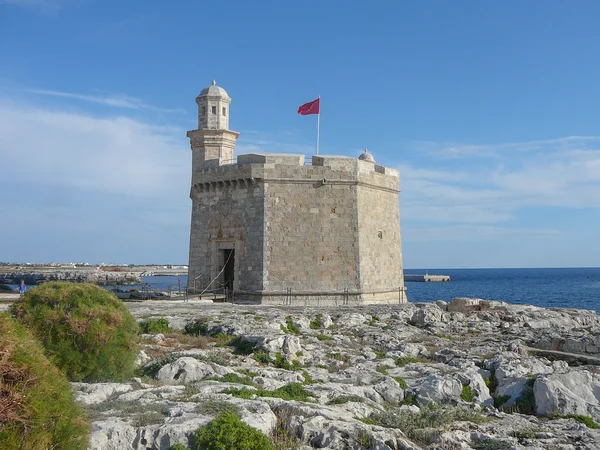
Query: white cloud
{"type": "Point", "coordinates": [455, 151]}
{"type": "Point", "coordinates": [469, 233]}
{"type": "Point", "coordinates": [116, 154]}
{"type": "Point", "coordinates": [561, 172]}
{"type": "Point", "coordinates": [108, 99]}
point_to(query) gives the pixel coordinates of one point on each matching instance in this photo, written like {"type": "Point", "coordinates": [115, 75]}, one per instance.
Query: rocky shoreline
{"type": "Point", "coordinates": [468, 374]}
{"type": "Point", "coordinates": [95, 276]}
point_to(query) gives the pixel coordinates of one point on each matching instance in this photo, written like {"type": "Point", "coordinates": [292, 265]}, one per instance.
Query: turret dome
{"type": "Point", "coordinates": [366, 156]}
{"type": "Point", "coordinates": [214, 91]}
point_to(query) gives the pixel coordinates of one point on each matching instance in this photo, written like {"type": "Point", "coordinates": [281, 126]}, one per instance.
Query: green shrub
{"type": "Point", "coordinates": [500, 400]}
{"type": "Point", "coordinates": [526, 433]}
{"type": "Point", "coordinates": [86, 331]}
{"type": "Point", "coordinates": [196, 328]}
{"type": "Point", "coordinates": [244, 393]}
{"type": "Point", "coordinates": [37, 409]}
{"type": "Point", "coordinates": [379, 354]}
{"type": "Point", "coordinates": [526, 402]}
{"type": "Point", "coordinates": [241, 347]}
{"type": "Point", "coordinates": [291, 326]}
{"type": "Point", "coordinates": [345, 399]}
{"type": "Point", "coordinates": [262, 357]}
{"type": "Point", "coordinates": [382, 370]}
{"type": "Point", "coordinates": [235, 378]}
{"type": "Point", "coordinates": [316, 322]}
{"type": "Point", "coordinates": [586, 420]}
{"type": "Point", "coordinates": [308, 379]}
{"type": "Point", "coordinates": [324, 337]}
{"type": "Point", "coordinates": [401, 382]}
{"type": "Point", "coordinates": [155, 326]}
{"type": "Point", "coordinates": [492, 382]}
{"type": "Point", "coordinates": [467, 394]}
{"type": "Point", "coordinates": [228, 432]}
{"type": "Point", "coordinates": [401, 362]}
{"type": "Point", "coordinates": [281, 363]}
{"type": "Point", "coordinates": [5, 288]}
{"type": "Point", "coordinates": [178, 447]}
{"type": "Point", "coordinates": [292, 391]}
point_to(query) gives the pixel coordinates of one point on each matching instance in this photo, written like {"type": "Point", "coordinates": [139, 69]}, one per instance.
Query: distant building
{"type": "Point", "coordinates": [273, 229]}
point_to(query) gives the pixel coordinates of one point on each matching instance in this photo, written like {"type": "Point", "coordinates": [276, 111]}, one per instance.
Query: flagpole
{"type": "Point", "coordinates": [319, 125]}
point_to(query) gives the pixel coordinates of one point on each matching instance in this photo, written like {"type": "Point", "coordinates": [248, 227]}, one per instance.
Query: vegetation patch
{"type": "Point", "coordinates": [235, 378]}
{"type": "Point", "coordinates": [5, 288]}
{"type": "Point", "coordinates": [432, 416]}
{"type": "Point", "coordinates": [227, 431]}
{"type": "Point", "coordinates": [262, 357]}
{"type": "Point", "coordinates": [139, 415]}
{"type": "Point", "coordinates": [37, 409]}
{"type": "Point", "coordinates": [308, 379]}
{"type": "Point", "coordinates": [178, 447]}
{"type": "Point", "coordinates": [525, 404]}
{"type": "Point", "coordinates": [382, 370]}
{"type": "Point", "coordinates": [491, 444]}
{"type": "Point", "coordinates": [291, 391]}
{"type": "Point", "coordinates": [526, 433]}
{"type": "Point", "coordinates": [346, 399]}
{"type": "Point", "coordinates": [154, 326]}
{"type": "Point", "coordinates": [282, 363]}
{"type": "Point", "coordinates": [316, 322]}
{"type": "Point", "coordinates": [197, 328]}
{"type": "Point", "coordinates": [401, 382]}
{"type": "Point", "coordinates": [401, 362]}
{"type": "Point", "coordinates": [291, 326]}
{"type": "Point", "coordinates": [324, 337]}
{"type": "Point", "coordinates": [586, 420]}
{"type": "Point", "coordinates": [241, 347]}
{"type": "Point", "coordinates": [492, 382]}
{"type": "Point", "coordinates": [248, 373]}
{"type": "Point", "coordinates": [500, 400]}
{"type": "Point", "coordinates": [87, 331]}
{"type": "Point", "coordinates": [379, 354]}
{"type": "Point", "coordinates": [282, 435]}
{"type": "Point", "coordinates": [467, 394]}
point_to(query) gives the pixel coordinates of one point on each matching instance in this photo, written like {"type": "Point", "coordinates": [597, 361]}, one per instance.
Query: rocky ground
{"type": "Point", "coordinates": [469, 374]}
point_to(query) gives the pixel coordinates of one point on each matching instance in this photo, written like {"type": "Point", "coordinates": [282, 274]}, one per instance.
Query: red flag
{"type": "Point", "coordinates": [313, 107]}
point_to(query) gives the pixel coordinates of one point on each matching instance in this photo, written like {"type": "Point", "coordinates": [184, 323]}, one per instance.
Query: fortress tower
{"type": "Point", "coordinates": [274, 230]}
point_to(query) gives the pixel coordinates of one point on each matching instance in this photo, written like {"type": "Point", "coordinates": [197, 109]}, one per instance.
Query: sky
{"type": "Point", "coordinates": [488, 109]}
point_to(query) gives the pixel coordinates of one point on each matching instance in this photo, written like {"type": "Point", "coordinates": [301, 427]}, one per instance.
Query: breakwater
{"type": "Point", "coordinates": [88, 275]}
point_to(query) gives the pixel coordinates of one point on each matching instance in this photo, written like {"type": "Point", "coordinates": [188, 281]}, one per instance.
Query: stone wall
{"type": "Point", "coordinates": [327, 233]}
{"type": "Point", "coordinates": [227, 214]}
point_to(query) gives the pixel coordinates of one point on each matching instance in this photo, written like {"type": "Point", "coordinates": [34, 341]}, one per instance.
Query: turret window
{"type": "Point", "coordinates": [214, 109]}
{"type": "Point", "coordinates": [204, 110]}
{"type": "Point", "coordinates": [224, 111]}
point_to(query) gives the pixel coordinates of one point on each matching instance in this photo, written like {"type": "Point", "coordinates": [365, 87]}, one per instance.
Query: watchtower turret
{"type": "Point", "coordinates": [213, 108]}
{"type": "Point", "coordinates": [213, 142]}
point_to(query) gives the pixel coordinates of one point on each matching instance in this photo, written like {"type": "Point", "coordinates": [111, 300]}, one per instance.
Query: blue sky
{"type": "Point", "coordinates": [489, 110]}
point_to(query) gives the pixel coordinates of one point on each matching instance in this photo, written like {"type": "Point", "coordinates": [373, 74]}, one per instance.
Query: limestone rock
{"type": "Point", "coordinates": [439, 389]}
{"type": "Point", "coordinates": [94, 393]}
{"type": "Point", "coordinates": [575, 392]}
{"type": "Point", "coordinates": [184, 370]}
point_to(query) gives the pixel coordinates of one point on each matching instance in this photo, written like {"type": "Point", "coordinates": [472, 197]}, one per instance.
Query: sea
{"type": "Point", "coordinates": [559, 288]}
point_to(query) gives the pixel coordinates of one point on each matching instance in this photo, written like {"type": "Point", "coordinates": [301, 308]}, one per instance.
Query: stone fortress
{"type": "Point", "coordinates": [276, 229]}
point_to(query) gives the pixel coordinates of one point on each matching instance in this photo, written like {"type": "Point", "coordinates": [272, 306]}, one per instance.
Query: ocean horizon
{"type": "Point", "coordinates": [567, 287]}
